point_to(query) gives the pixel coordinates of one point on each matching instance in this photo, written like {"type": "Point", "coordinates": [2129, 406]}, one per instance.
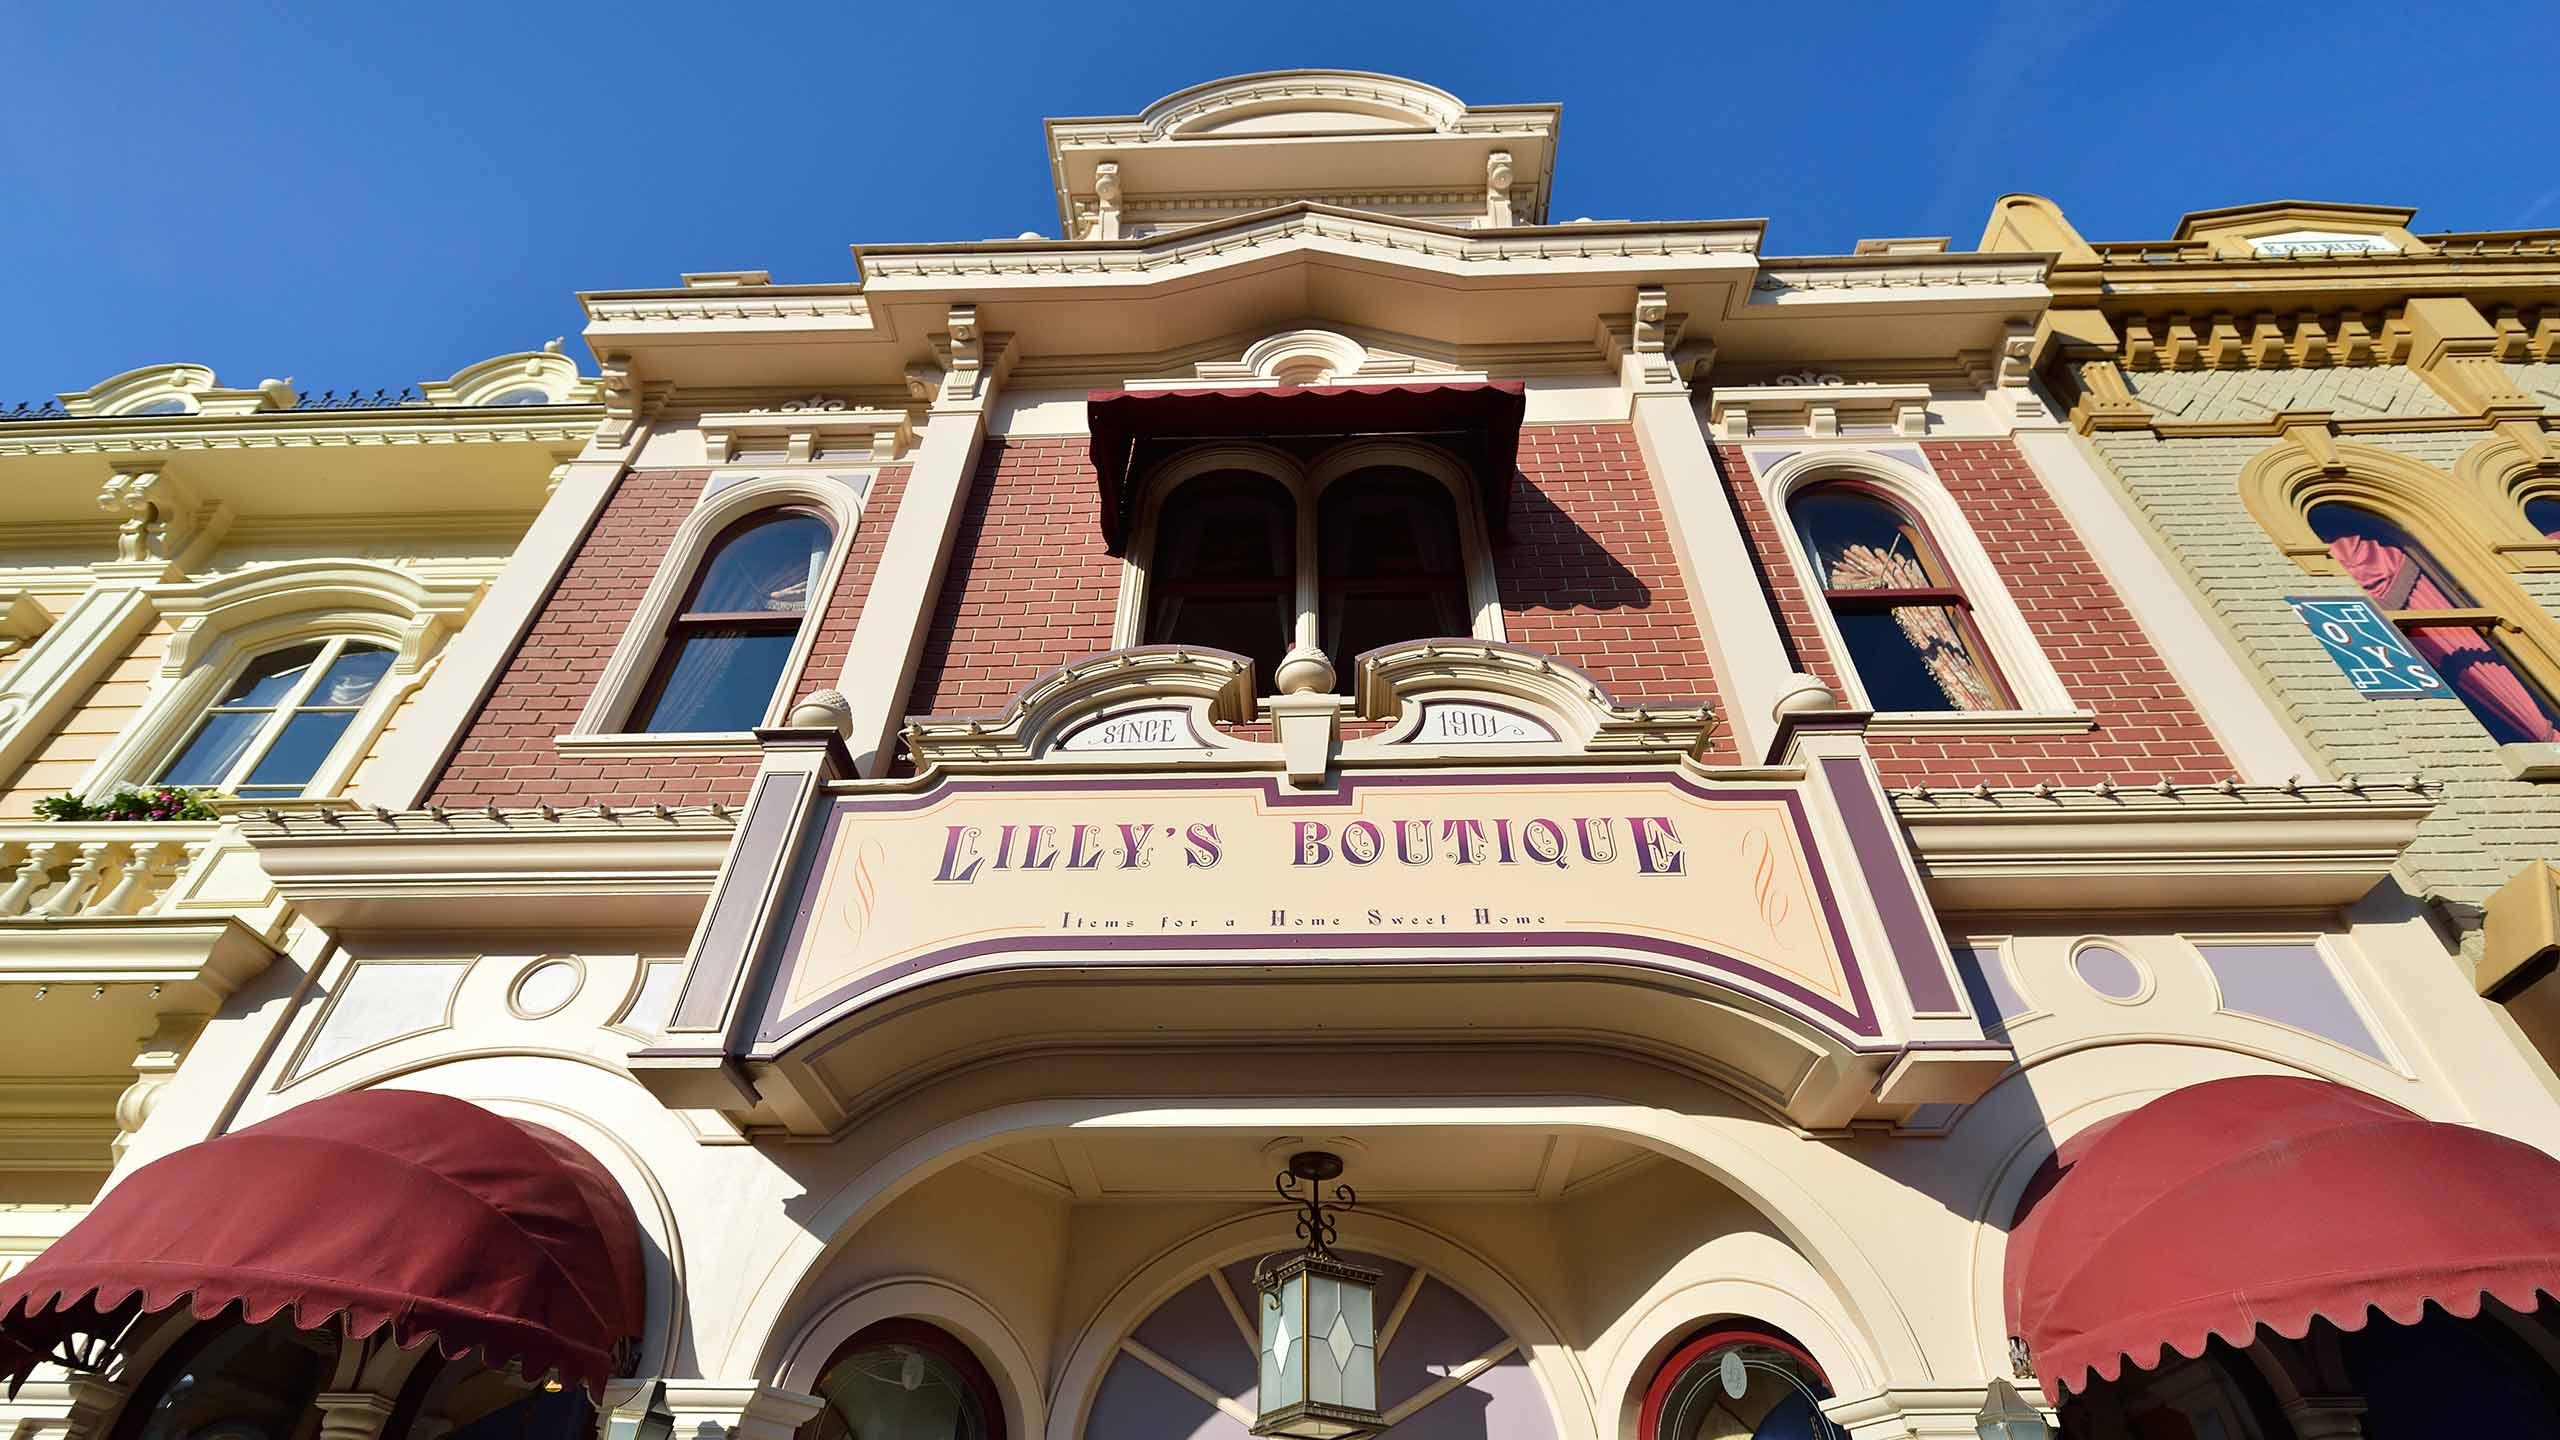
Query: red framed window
{"type": "Point", "coordinates": [1737, 1381]}
{"type": "Point", "coordinates": [1907, 625]}
{"type": "Point", "coordinates": [2444, 624]}
{"type": "Point", "coordinates": [726, 649]}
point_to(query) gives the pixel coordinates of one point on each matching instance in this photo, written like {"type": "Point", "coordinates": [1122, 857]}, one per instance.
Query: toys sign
{"type": "Point", "coordinates": [2372, 652]}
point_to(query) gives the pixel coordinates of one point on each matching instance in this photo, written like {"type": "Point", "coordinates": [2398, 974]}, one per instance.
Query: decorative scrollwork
{"type": "Point", "coordinates": [1315, 1221]}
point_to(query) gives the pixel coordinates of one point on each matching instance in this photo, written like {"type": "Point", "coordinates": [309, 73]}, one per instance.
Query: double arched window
{"type": "Point", "coordinates": [1906, 624]}
{"type": "Point", "coordinates": [725, 650]}
{"type": "Point", "coordinates": [275, 728]}
{"type": "Point", "coordinates": [1242, 564]}
{"type": "Point", "coordinates": [2444, 623]}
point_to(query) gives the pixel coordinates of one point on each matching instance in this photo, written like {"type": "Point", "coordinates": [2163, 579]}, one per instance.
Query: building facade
{"type": "Point", "coordinates": [1677, 777]}
{"type": "Point", "coordinates": [2323, 416]}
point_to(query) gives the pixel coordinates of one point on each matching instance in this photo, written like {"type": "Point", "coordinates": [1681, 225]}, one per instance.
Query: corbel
{"type": "Point", "coordinates": [2106, 402]}
{"type": "Point", "coordinates": [2141, 352]}
{"type": "Point", "coordinates": [2355, 339]}
{"type": "Point", "coordinates": [2178, 347]}
{"type": "Point", "coordinates": [2545, 345]}
{"type": "Point", "coordinates": [157, 513]}
{"type": "Point", "coordinates": [2310, 340]}
{"type": "Point", "coordinates": [1106, 201]}
{"type": "Point", "coordinates": [2454, 348]}
{"type": "Point", "coordinates": [2267, 348]}
{"type": "Point", "coordinates": [2509, 338]}
{"type": "Point", "coordinates": [2223, 349]}
{"type": "Point", "coordinates": [973, 361]}
{"type": "Point", "coordinates": [2392, 344]}
{"type": "Point", "coordinates": [1497, 189]}
{"type": "Point", "coordinates": [629, 402]}
{"type": "Point", "coordinates": [1640, 342]}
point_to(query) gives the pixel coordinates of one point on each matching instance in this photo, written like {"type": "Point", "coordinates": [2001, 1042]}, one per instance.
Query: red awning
{"type": "Point", "coordinates": [2269, 1200]}
{"type": "Point", "coordinates": [383, 1207]}
{"type": "Point", "coordinates": [1478, 420]}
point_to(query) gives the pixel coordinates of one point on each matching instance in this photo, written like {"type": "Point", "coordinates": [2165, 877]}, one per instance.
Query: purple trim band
{"type": "Point", "coordinates": [1906, 926]}
{"type": "Point", "coordinates": [1857, 1020]}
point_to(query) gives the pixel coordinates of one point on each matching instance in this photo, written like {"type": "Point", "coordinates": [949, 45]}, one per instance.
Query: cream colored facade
{"type": "Point", "coordinates": [1602, 1111]}
{"type": "Point", "coordinates": [162, 534]}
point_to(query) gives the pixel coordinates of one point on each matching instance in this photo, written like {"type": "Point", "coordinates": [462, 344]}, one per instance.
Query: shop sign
{"type": "Point", "coordinates": [2371, 650]}
{"type": "Point", "coordinates": [1408, 867]}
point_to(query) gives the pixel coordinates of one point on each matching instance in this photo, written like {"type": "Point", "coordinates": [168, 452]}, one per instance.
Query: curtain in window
{"type": "Point", "coordinates": [2399, 576]}
{"type": "Point", "coordinates": [1906, 624]}
{"type": "Point", "coordinates": [726, 649]}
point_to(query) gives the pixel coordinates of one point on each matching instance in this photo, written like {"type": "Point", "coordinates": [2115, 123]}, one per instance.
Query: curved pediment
{"type": "Point", "coordinates": [1478, 697]}
{"type": "Point", "coordinates": [1149, 704]}
{"type": "Point", "coordinates": [1303, 102]}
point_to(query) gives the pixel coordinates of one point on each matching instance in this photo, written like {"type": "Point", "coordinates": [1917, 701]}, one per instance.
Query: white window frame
{"type": "Point", "coordinates": [605, 720]}
{"type": "Point", "coordinates": [295, 702]}
{"type": "Point", "coordinates": [1306, 484]}
{"type": "Point", "coordinates": [2040, 698]}
{"type": "Point", "coordinates": [225, 623]}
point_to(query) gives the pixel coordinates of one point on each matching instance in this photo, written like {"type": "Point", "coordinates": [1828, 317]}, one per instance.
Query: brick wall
{"type": "Point", "coordinates": [2187, 489]}
{"type": "Point", "coordinates": [507, 756]}
{"type": "Point", "coordinates": [1030, 586]}
{"type": "Point", "coordinates": [2146, 727]}
{"type": "Point", "coordinates": [1589, 574]}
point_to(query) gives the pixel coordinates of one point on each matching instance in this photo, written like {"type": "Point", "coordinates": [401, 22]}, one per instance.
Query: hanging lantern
{"type": "Point", "coordinates": [1319, 1327]}
{"type": "Point", "coordinates": [2007, 1416]}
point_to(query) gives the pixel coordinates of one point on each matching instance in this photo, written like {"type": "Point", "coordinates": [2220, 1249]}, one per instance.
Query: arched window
{"type": "Point", "coordinates": [905, 1380]}
{"type": "Point", "coordinates": [2542, 512]}
{"type": "Point", "coordinates": [727, 646]}
{"type": "Point", "coordinates": [1391, 563]}
{"type": "Point", "coordinates": [1738, 1382]}
{"type": "Point", "coordinates": [1234, 567]}
{"type": "Point", "coordinates": [276, 726]}
{"type": "Point", "coordinates": [2443, 622]}
{"type": "Point", "coordinates": [1226, 568]}
{"type": "Point", "coordinates": [1906, 624]}
{"type": "Point", "coordinates": [227, 1381]}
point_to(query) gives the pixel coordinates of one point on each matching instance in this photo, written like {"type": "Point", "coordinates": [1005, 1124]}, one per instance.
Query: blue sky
{"type": "Point", "coordinates": [372, 194]}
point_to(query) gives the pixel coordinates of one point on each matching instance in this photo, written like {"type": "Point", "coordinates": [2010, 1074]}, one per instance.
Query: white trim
{"type": "Point", "coordinates": [225, 624]}
{"type": "Point", "coordinates": [635, 656]}
{"type": "Point", "coordinates": [2031, 678]}
{"type": "Point", "coordinates": [1306, 484]}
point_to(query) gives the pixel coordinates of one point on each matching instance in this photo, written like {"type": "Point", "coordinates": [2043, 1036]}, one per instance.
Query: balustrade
{"type": "Point", "coordinates": [56, 871]}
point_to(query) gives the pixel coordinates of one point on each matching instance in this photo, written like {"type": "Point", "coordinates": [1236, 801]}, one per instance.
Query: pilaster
{"type": "Point", "coordinates": [880, 665]}
{"type": "Point", "coordinates": [410, 758]}
{"type": "Point", "coordinates": [352, 1414]}
{"type": "Point", "coordinates": [1741, 631]}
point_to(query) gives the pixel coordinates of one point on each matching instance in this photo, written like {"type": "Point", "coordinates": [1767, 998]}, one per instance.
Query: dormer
{"type": "Point", "coordinates": [2290, 229]}
{"type": "Point", "coordinates": [1337, 137]}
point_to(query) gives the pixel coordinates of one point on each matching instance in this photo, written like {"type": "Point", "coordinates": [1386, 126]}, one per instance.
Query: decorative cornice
{"type": "Point", "coordinates": [1780, 276]}
{"type": "Point", "coordinates": [2162, 845]}
{"type": "Point", "coordinates": [1822, 408]}
{"type": "Point", "coordinates": [810, 429]}
{"type": "Point", "coordinates": [1210, 688]}
{"type": "Point", "coordinates": [787, 307]}
{"type": "Point", "coordinates": [1394, 683]}
{"type": "Point", "coordinates": [294, 430]}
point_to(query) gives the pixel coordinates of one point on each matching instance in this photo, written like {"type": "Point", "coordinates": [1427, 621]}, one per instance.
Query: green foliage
{"type": "Point", "coordinates": [131, 802]}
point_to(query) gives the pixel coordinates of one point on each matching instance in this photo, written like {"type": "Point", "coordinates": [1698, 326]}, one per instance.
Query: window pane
{"type": "Point", "coordinates": [1384, 523]}
{"type": "Point", "coordinates": [1917, 657]}
{"type": "Point", "coordinates": [272, 676]}
{"type": "Point", "coordinates": [290, 763]}
{"type": "Point", "coordinates": [1227, 527]}
{"type": "Point", "coordinates": [2391, 565]}
{"type": "Point", "coordinates": [351, 680]}
{"type": "Point", "coordinates": [217, 746]}
{"type": "Point", "coordinates": [2508, 704]}
{"type": "Point", "coordinates": [719, 678]}
{"type": "Point", "coordinates": [1397, 527]}
{"type": "Point", "coordinates": [1250, 625]}
{"type": "Point", "coordinates": [770, 566]}
{"type": "Point", "coordinates": [1858, 542]}
{"type": "Point", "coordinates": [2543, 514]}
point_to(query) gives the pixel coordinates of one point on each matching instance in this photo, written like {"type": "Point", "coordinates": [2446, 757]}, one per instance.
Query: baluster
{"type": "Point", "coordinates": [75, 891]}
{"type": "Point", "coordinates": [30, 878]}
{"type": "Point", "coordinates": [189, 853]}
{"type": "Point", "coordinates": [143, 863]}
